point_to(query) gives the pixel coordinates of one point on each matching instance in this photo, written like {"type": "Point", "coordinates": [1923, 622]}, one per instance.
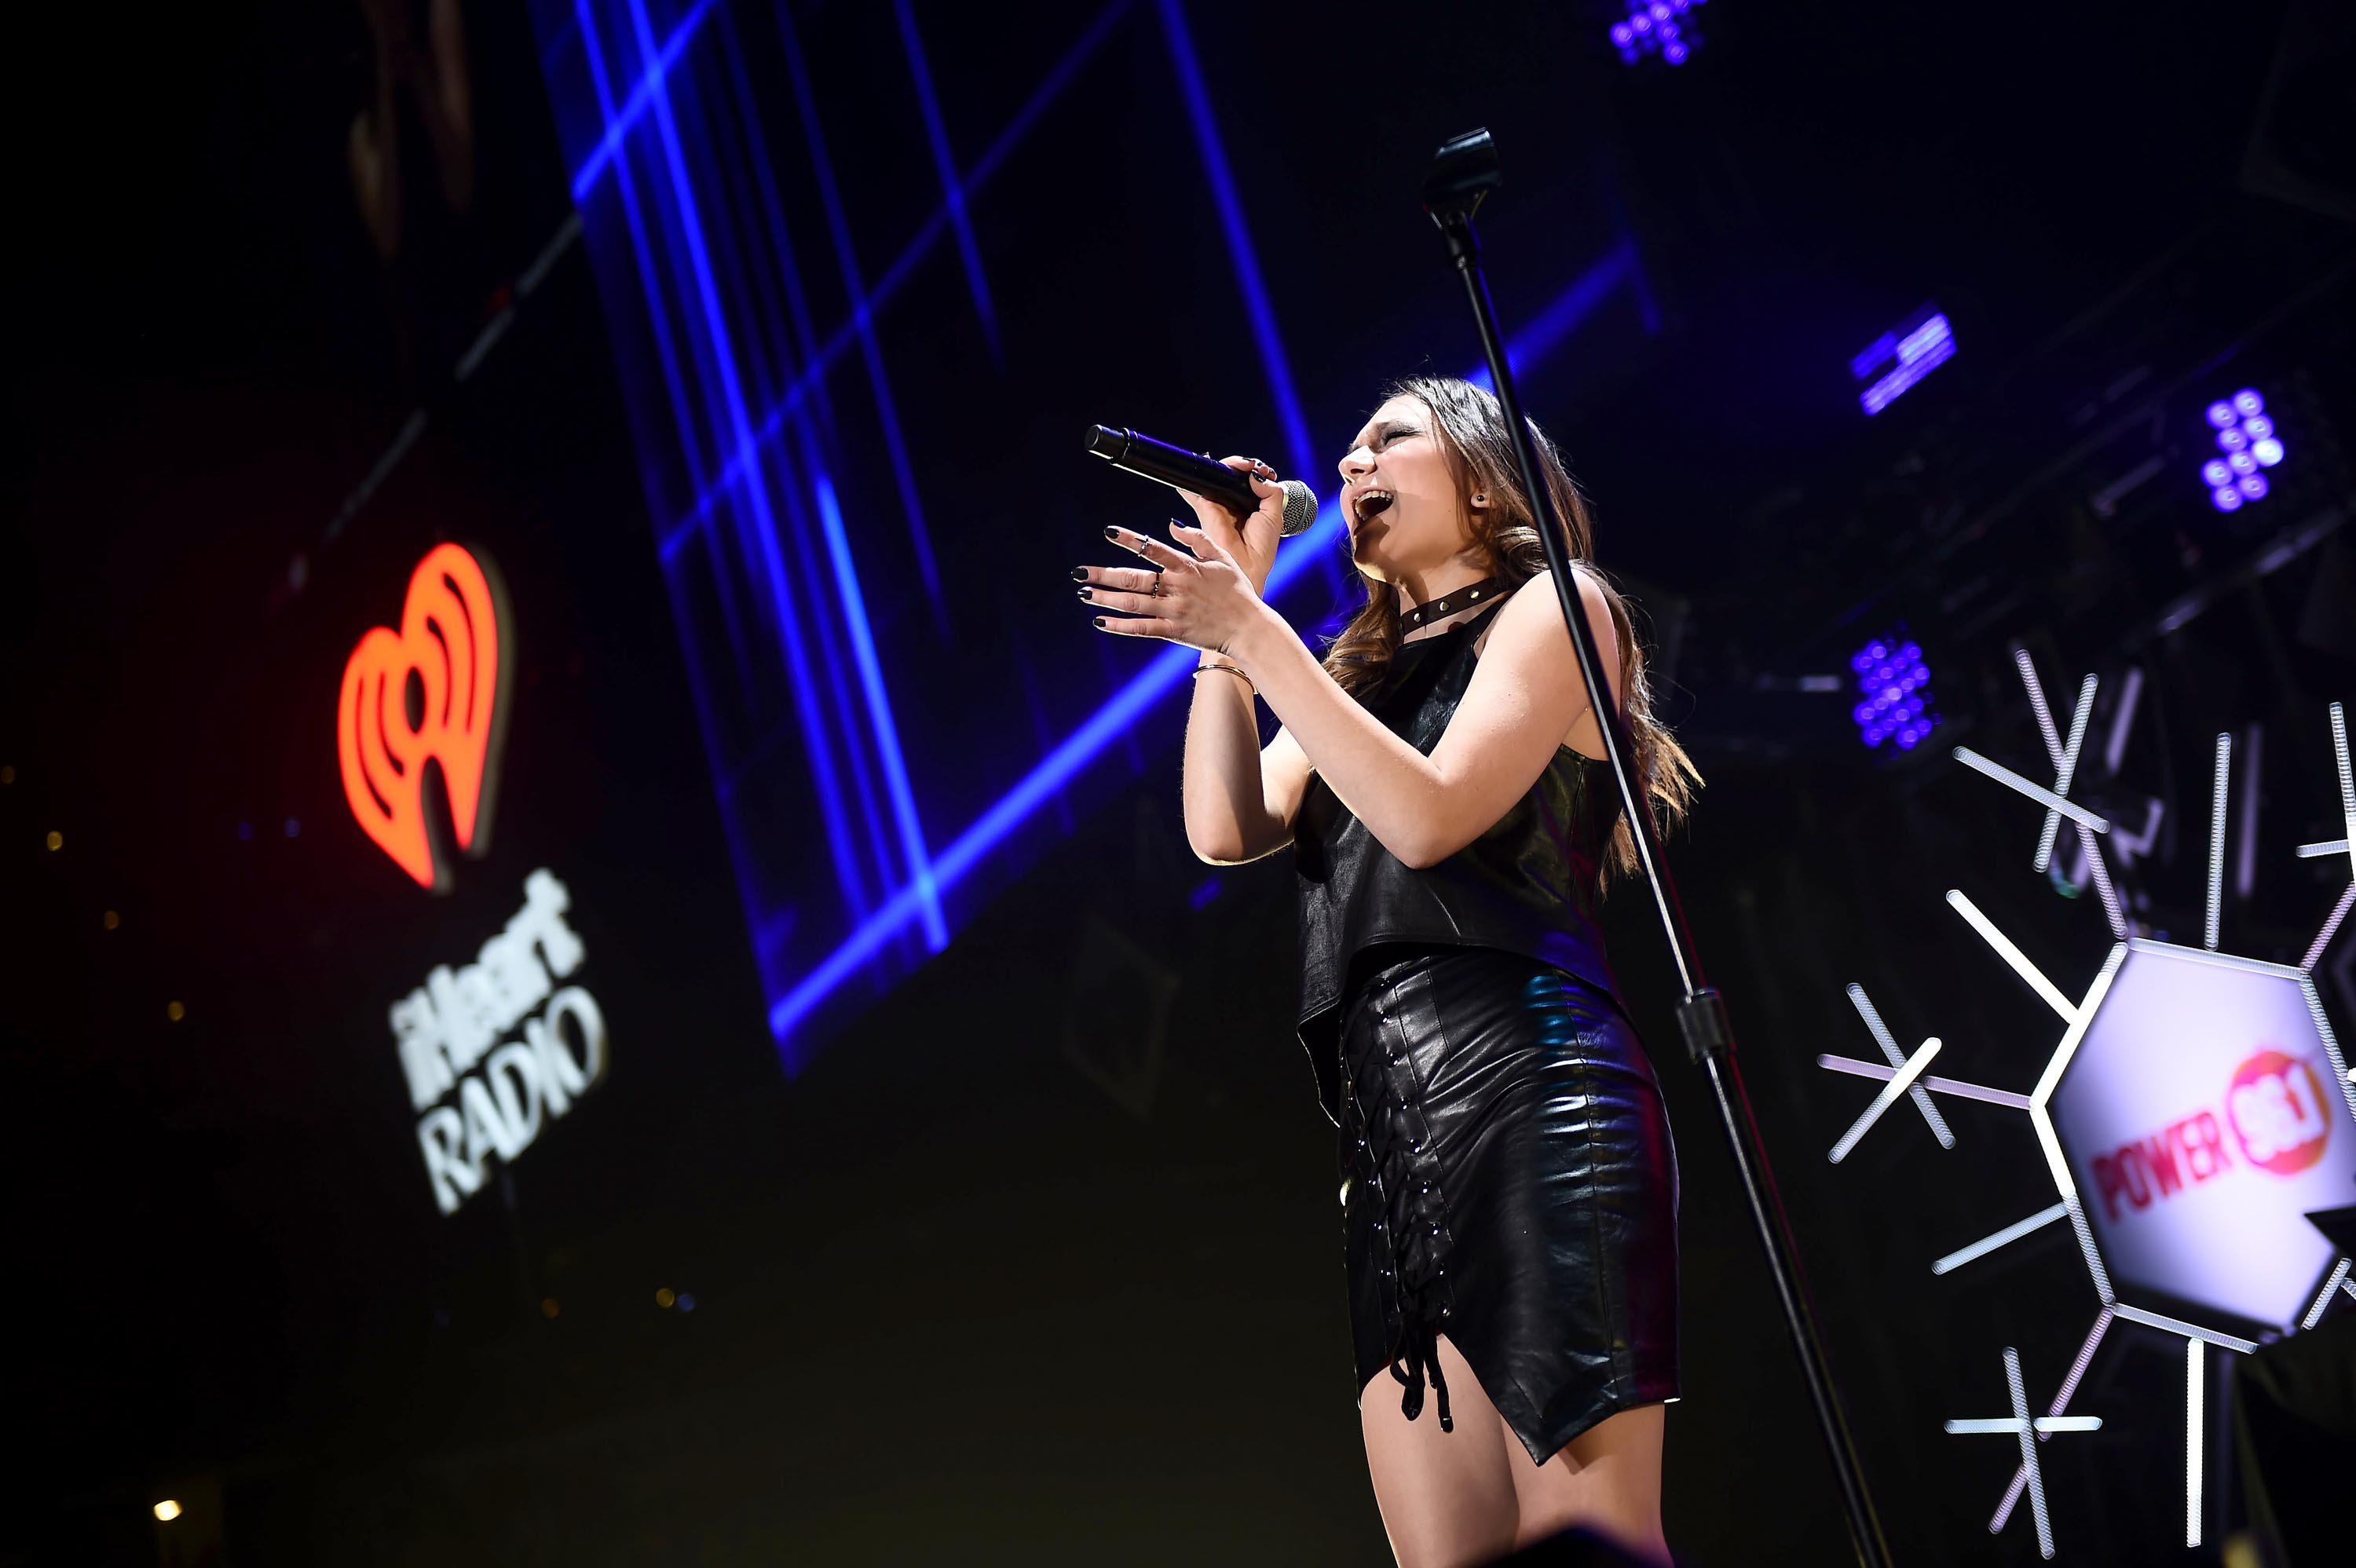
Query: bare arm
{"type": "Point", "coordinates": [1240, 800]}
{"type": "Point", "coordinates": [1524, 694]}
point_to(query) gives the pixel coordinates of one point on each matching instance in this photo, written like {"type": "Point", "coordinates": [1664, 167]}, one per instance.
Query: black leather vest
{"type": "Point", "coordinates": [1528, 885]}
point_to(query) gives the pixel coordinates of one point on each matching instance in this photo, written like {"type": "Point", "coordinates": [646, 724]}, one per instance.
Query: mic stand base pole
{"type": "Point", "coordinates": [1702, 1015]}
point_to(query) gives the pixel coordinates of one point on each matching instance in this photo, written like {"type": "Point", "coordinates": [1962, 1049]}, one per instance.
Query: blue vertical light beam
{"type": "Point", "coordinates": [903, 474]}
{"type": "Point", "coordinates": [952, 188]}
{"type": "Point", "coordinates": [1238, 236]}
{"type": "Point", "coordinates": [618, 126]}
{"type": "Point", "coordinates": [763, 553]}
{"type": "Point", "coordinates": [747, 891]}
{"type": "Point", "coordinates": [1168, 669]}
{"type": "Point", "coordinates": [879, 708]}
{"type": "Point", "coordinates": [838, 685]}
{"type": "Point", "coordinates": [928, 234]}
{"type": "Point", "coordinates": [796, 298]}
{"type": "Point", "coordinates": [830, 788]}
{"type": "Point", "coordinates": [723, 350]}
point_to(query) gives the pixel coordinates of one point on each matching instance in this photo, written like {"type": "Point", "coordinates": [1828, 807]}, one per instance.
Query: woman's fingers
{"type": "Point", "coordinates": [1139, 626]}
{"type": "Point", "coordinates": [1123, 579]}
{"type": "Point", "coordinates": [1128, 603]}
{"type": "Point", "coordinates": [1257, 474]}
{"type": "Point", "coordinates": [1203, 544]}
{"type": "Point", "coordinates": [1160, 554]}
{"type": "Point", "coordinates": [1204, 510]}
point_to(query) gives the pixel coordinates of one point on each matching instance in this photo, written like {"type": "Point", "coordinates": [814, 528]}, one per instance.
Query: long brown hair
{"type": "Point", "coordinates": [1470, 426]}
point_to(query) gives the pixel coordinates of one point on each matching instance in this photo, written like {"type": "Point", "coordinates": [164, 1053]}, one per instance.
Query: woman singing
{"type": "Point", "coordinates": [1509, 1191]}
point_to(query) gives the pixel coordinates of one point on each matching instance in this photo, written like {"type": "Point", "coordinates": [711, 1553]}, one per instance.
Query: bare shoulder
{"type": "Point", "coordinates": [1532, 611]}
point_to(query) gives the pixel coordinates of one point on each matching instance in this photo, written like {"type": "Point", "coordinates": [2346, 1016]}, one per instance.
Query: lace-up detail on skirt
{"type": "Point", "coordinates": [1393, 1157]}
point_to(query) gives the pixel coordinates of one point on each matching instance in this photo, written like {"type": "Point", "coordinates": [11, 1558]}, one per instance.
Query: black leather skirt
{"type": "Point", "coordinates": [1509, 1182]}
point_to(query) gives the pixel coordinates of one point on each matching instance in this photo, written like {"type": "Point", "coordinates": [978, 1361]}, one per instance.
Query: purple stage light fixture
{"type": "Point", "coordinates": [1661, 28]}
{"type": "Point", "coordinates": [2246, 435]}
{"type": "Point", "coordinates": [1893, 688]}
{"type": "Point", "coordinates": [1898, 358]}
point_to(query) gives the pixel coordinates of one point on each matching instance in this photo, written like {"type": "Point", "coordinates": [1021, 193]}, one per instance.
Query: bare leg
{"type": "Point", "coordinates": [1448, 1498]}
{"type": "Point", "coordinates": [1607, 1479]}
{"type": "Point", "coordinates": [1451, 1498]}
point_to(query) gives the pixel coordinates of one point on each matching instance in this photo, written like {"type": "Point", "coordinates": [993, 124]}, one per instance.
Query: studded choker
{"type": "Point", "coordinates": [1448, 603]}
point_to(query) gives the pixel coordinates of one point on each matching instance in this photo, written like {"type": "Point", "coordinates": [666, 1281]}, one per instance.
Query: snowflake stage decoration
{"type": "Point", "coordinates": [2196, 1111]}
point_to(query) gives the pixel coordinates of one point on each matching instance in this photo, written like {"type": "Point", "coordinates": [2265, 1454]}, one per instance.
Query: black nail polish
{"type": "Point", "coordinates": [1084, 593]}
{"type": "Point", "coordinates": [1101, 620]}
{"type": "Point", "coordinates": [1112, 533]}
{"type": "Point", "coordinates": [1079, 574]}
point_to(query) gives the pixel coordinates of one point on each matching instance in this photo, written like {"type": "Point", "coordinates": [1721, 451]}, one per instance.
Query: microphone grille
{"type": "Point", "coordinates": [1300, 507]}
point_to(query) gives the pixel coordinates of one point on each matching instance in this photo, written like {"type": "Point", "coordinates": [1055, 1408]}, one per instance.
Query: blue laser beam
{"type": "Point", "coordinates": [952, 191]}
{"type": "Point", "coordinates": [666, 352]}
{"type": "Point", "coordinates": [879, 708]}
{"type": "Point", "coordinates": [1238, 236]}
{"type": "Point", "coordinates": [846, 716]}
{"type": "Point", "coordinates": [895, 444]}
{"type": "Point", "coordinates": [691, 226]}
{"type": "Point", "coordinates": [618, 126]}
{"type": "Point", "coordinates": [1079, 748]}
{"type": "Point", "coordinates": [889, 284]}
{"type": "Point", "coordinates": [773, 210]}
{"type": "Point", "coordinates": [829, 786]}
{"type": "Point", "coordinates": [763, 553]}
{"type": "Point", "coordinates": [762, 547]}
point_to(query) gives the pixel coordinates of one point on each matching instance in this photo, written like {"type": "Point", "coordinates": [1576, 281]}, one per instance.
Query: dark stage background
{"type": "Point", "coordinates": [1011, 1237]}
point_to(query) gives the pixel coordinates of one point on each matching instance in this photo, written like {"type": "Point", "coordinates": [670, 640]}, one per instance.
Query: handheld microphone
{"type": "Point", "coordinates": [1184, 470]}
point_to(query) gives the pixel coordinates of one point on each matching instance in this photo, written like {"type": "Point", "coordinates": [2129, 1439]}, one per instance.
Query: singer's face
{"type": "Point", "coordinates": [1398, 497]}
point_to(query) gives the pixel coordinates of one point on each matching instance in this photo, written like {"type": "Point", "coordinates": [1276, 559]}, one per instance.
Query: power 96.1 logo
{"type": "Point", "coordinates": [2278, 1112]}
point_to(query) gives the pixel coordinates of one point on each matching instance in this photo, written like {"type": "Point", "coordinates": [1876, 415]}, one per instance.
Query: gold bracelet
{"type": "Point", "coordinates": [1235, 670]}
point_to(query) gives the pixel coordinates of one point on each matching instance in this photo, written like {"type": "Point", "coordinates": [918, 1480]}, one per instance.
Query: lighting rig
{"type": "Point", "coordinates": [1663, 30]}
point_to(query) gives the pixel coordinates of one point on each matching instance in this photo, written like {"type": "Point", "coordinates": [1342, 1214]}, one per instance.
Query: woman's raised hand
{"type": "Point", "coordinates": [1199, 595]}
{"type": "Point", "coordinates": [1251, 539]}
{"type": "Point", "coordinates": [1205, 594]}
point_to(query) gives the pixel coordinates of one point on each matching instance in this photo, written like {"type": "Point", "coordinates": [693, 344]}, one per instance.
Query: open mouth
{"type": "Point", "coordinates": [1372, 504]}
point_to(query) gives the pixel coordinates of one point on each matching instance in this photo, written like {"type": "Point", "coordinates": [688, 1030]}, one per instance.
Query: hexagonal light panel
{"type": "Point", "coordinates": [2195, 1113]}
{"type": "Point", "coordinates": [2194, 1116]}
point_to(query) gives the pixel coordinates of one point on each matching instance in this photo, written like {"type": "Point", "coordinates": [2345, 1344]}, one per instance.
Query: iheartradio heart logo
{"type": "Point", "coordinates": [434, 691]}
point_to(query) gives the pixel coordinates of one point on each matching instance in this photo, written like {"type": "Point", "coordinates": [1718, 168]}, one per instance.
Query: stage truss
{"type": "Point", "coordinates": [1903, 1074]}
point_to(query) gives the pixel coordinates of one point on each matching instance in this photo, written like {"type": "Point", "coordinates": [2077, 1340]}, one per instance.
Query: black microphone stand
{"type": "Point", "coordinates": [1465, 171]}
